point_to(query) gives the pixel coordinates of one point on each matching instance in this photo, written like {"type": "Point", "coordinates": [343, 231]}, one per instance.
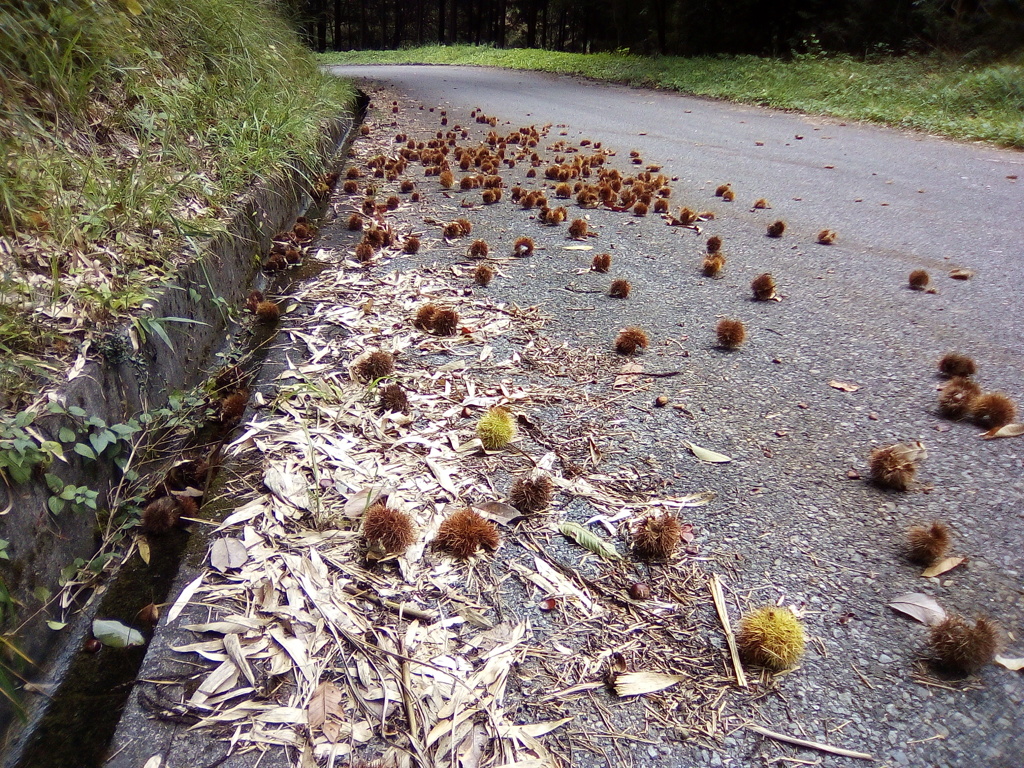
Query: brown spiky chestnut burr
{"type": "Point", "coordinates": [918, 280]}
{"type": "Point", "coordinates": [657, 536]}
{"type": "Point", "coordinates": [894, 466]}
{"type": "Point", "coordinates": [619, 289]}
{"type": "Point", "coordinates": [388, 528]}
{"type": "Point", "coordinates": [375, 365]}
{"type": "Point", "coordinates": [993, 410]}
{"type": "Point", "coordinates": [927, 543]}
{"type": "Point", "coordinates": [956, 364]}
{"type": "Point", "coordinates": [962, 648]}
{"type": "Point", "coordinates": [445, 322]}
{"type": "Point", "coordinates": [531, 494]}
{"type": "Point", "coordinates": [630, 341]}
{"type": "Point", "coordinates": [523, 247]}
{"type": "Point", "coordinates": [393, 398]}
{"type": "Point", "coordinates": [957, 396]}
{"type": "Point", "coordinates": [465, 532]}
{"type": "Point", "coordinates": [731, 333]}
{"type": "Point", "coordinates": [763, 287]}
{"type": "Point", "coordinates": [483, 275]}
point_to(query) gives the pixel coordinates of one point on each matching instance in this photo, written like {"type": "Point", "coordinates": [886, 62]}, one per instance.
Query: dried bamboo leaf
{"type": "Point", "coordinates": [233, 648]}
{"type": "Point", "coordinates": [444, 477]}
{"type": "Point", "coordinates": [289, 487]}
{"type": "Point", "coordinates": [640, 683]}
{"type": "Point", "coordinates": [707, 455]}
{"type": "Point", "coordinates": [357, 505]}
{"type": "Point", "coordinates": [183, 598]}
{"type": "Point", "coordinates": [1014, 665]}
{"type": "Point", "coordinates": [243, 514]}
{"type": "Point", "coordinates": [532, 729]}
{"type": "Point", "coordinates": [499, 512]}
{"type": "Point", "coordinates": [223, 678]}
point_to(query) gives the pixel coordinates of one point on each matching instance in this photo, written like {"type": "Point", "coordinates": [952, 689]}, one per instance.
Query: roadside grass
{"type": "Point", "coordinates": [125, 129]}
{"type": "Point", "coordinates": [934, 94]}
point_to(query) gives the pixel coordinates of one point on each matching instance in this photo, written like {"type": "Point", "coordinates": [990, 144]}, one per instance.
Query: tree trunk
{"type": "Point", "coordinates": [440, 21]}
{"type": "Point", "coordinates": [661, 23]}
{"type": "Point", "coordinates": [531, 24]}
{"type": "Point", "coordinates": [396, 41]}
{"type": "Point", "coordinates": [337, 26]}
{"type": "Point", "coordinates": [364, 31]}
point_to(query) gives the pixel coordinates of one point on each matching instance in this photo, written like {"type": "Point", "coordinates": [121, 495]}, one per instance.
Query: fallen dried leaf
{"type": "Point", "coordinates": [843, 386]}
{"type": "Point", "coordinates": [709, 456]}
{"type": "Point", "coordinates": [499, 512]}
{"type": "Point", "coordinates": [228, 553]}
{"type": "Point", "coordinates": [942, 566]}
{"type": "Point", "coordinates": [961, 274]}
{"type": "Point", "coordinates": [919, 606]}
{"type": "Point", "coordinates": [1007, 430]}
{"type": "Point", "coordinates": [357, 505]}
{"type": "Point", "coordinates": [114, 634]}
{"type": "Point", "coordinates": [1014, 665]}
{"type": "Point", "coordinates": [289, 487]}
{"type": "Point", "coordinates": [640, 683]}
{"type": "Point", "coordinates": [233, 647]}
{"type": "Point", "coordinates": [183, 598]}
{"type": "Point", "coordinates": [326, 701]}
{"type": "Point", "coordinates": [589, 540]}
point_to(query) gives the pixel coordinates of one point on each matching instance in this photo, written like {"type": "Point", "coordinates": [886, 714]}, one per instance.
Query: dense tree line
{"type": "Point", "coordinates": [682, 27]}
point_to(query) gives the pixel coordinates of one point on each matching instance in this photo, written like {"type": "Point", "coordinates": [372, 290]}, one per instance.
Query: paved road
{"type": "Point", "coordinates": [923, 201]}
{"type": "Point", "coordinates": [801, 529]}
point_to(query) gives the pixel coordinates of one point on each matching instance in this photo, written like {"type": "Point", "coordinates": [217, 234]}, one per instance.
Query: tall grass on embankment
{"type": "Point", "coordinates": [125, 126]}
{"type": "Point", "coordinates": [936, 94]}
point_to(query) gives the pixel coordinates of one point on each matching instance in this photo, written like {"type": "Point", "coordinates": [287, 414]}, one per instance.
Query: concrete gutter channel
{"type": "Point", "coordinates": [73, 724]}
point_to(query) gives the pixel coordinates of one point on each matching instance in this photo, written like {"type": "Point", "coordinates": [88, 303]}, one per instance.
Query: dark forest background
{"type": "Point", "coordinates": [671, 27]}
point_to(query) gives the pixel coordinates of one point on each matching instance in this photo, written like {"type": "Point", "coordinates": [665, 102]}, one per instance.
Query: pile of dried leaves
{"type": "Point", "coordinates": [422, 659]}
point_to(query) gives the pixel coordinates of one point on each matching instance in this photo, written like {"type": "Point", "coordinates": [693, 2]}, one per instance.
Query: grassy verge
{"type": "Point", "coordinates": [955, 99]}
{"type": "Point", "coordinates": [125, 128]}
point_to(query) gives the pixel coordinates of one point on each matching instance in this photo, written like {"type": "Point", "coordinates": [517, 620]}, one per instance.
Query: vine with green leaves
{"type": "Point", "coordinates": [26, 454]}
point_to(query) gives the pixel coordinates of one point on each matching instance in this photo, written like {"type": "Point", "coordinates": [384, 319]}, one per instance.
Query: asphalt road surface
{"type": "Point", "coordinates": [803, 531]}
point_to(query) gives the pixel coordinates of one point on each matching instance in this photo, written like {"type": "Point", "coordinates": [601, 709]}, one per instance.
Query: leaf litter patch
{"type": "Point", "coordinates": [318, 643]}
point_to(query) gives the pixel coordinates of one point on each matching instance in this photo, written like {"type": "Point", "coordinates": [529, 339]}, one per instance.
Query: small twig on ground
{"type": "Point", "coordinates": [862, 677]}
{"type": "Point", "coordinates": [401, 608]}
{"type": "Point", "coordinates": [809, 744]}
{"type": "Point", "coordinates": [730, 639]}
